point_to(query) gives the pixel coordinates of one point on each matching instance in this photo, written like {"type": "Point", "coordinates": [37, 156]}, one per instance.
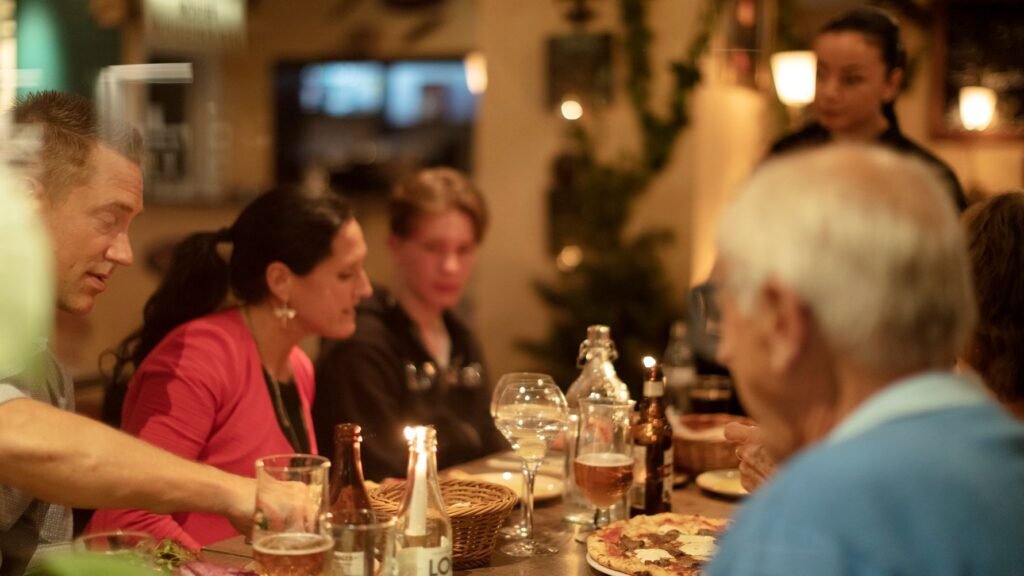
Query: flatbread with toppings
{"type": "Point", "coordinates": [661, 545]}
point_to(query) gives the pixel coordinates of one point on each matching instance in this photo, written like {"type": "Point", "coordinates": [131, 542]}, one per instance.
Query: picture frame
{"type": "Point", "coordinates": [978, 43]}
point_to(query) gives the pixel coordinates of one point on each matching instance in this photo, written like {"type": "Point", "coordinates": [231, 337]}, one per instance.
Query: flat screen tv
{"type": "Point", "coordinates": [367, 123]}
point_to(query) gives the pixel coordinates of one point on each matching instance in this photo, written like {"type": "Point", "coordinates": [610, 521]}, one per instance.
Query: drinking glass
{"type": "Point", "coordinates": [137, 548]}
{"type": "Point", "coordinates": [518, 528]}
{"type": "Point", "coordinates": [364, 549]}
{"type": "Point", "coordinates": [291, 533]}
{"type": "Point", "coordinates": [604, 458]}
{"type": "Point", "coordinates": [712, 394]}
{"type": "Point", "coordinates": [530, 410]}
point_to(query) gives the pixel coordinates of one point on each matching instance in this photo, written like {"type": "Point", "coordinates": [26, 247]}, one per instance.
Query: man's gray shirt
{"type": "Point", "coordinates": [27, 523]}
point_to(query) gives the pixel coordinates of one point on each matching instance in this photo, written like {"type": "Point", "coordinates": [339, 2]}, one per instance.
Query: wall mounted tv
{"type": "Point", "coordinates": [366, 123]}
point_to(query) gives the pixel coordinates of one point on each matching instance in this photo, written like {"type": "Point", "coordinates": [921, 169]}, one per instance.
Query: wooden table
{"type": "Point", "coordinates": [548, 524]}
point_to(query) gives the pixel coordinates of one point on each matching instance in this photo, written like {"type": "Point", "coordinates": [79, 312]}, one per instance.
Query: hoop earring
{"type": "Point", "coordinates": [284, 313]}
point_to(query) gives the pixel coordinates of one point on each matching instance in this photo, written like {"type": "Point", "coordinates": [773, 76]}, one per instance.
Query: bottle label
{"type": "Point", "coordinates": [348, 563]}
{"type": "Point", "coordinates": [639, 463]}
{"type": "Point", "coordinates": [425, 561]}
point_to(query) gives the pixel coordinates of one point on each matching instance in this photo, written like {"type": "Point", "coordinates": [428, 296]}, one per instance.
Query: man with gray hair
{"type": "Point", "coordinates": [845, 295]}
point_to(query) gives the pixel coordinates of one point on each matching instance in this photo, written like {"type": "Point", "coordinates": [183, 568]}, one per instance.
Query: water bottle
{"type": "Point", "coordinates": [679, 369]}
{"type": "Point", "coordinates": [597, 380]}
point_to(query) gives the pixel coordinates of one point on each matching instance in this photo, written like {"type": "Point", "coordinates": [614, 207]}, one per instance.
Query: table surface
{"type": "Point", "coordinates": [548, 523]}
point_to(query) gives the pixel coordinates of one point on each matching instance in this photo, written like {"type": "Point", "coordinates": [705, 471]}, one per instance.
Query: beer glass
{"type": "Point", "coordinates": [291, 532]}
{"type": "Point", "coordinates": [604, 459]}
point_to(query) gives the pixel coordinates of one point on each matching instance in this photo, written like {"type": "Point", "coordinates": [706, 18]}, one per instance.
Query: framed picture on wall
{"type": "Point", "coordinates": [978, 44]}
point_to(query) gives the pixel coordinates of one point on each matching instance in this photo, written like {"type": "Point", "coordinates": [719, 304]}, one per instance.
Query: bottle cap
{"type": "Point", "coordinates": [598, 333]}
{"type": "Point", "coordinates": [678, 329]}
{"type": "Point", "coordinates": [348, 432]}
{"type": "Point", "coordinates": [654, 381]}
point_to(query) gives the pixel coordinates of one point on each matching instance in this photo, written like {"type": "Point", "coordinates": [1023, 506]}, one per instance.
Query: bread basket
{"type": "Point", "coordinates": [698, 446]}
{"type": "Point", "coordinates": [477, 510]}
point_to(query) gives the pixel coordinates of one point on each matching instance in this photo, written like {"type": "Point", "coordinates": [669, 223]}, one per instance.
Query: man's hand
{"type": "Point", "coordinates": [756, 466]}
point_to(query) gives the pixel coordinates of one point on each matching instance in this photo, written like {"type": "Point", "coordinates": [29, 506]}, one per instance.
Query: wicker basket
{"type": "Point", "coordinates": [477, 509]}
{"type": "Point", "coordinates": [696, 455]}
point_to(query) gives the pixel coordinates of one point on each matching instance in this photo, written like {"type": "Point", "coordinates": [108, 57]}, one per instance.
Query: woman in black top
{"type": "Point", "coordinates": [412, 361]}
{"type": "Point", "coordinates": [861, 63]}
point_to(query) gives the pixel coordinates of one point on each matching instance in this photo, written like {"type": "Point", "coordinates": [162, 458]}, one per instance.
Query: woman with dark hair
{"type": "Point", "coordinates": [995, 244]}
{"type": "Point", "coordinates": [861, 64]}
{"type": "Point", "coordinates": [412, 360]}
{"type": "Point", "coordinates": [225, 386]}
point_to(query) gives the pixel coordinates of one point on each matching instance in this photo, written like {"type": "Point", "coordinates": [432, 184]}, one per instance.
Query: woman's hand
{"type": "Point", "coordinates": [756, 466]}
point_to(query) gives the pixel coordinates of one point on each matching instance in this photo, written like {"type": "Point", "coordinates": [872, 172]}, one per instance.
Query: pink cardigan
{"type": "Point", "coordinates": [201, 394]}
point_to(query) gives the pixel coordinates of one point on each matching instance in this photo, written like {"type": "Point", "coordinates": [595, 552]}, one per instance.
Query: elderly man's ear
{"type": "Point", "coordinates": [34, 188]}
{"type": "Point", "coordinates": [785, 325]}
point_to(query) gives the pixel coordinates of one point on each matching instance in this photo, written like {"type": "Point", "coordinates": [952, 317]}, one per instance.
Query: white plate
{"type": "Point", "coordinates": [509, 461]}
{"type": "Point", "coordinates": [544, 487]}
{"type": "Point", "coordinates": [603, 569]}
{"type": "Point", "coordinates": [722, 482]}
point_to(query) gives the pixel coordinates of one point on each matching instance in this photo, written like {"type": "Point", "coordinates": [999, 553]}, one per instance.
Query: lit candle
{"type": "Point", "coordinates": [418, 506]}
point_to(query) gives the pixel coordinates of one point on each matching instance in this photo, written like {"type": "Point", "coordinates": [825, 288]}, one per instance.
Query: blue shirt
{"type": "Point", "coordinates": [925, 478]}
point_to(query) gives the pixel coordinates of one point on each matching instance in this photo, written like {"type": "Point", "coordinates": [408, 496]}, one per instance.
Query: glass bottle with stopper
{"type": "Point", "coordinates": [423, 531]}
{"type": "Point", "coordinates": [597, 381]}
{"type": "Point", "coordinates": [652, 448]}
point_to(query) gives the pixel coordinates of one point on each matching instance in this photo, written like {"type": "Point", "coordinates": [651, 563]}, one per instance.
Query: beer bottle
{"type": "Point", "coordinates": [652, 448]}
{"type": "Point", "coordinates": [350, 503]}
{"type": "Point", "coordinates": [423, 538]}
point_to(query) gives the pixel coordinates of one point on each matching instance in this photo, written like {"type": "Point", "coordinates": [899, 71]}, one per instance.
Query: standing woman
{"type": "Point", "coordinates": [861, 64]}
{"type": "Point", "coordinates": [412, 360]}
{"type": "Point", "coordinates": [225, 386]}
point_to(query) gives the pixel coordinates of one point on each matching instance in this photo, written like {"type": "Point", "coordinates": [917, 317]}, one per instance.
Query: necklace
{"type": "Point", "coordinates": [275, 387]}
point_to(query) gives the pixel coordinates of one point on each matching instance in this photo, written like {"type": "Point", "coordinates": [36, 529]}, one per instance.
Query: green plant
{"type": "Point", "coordinates": [620, 281]}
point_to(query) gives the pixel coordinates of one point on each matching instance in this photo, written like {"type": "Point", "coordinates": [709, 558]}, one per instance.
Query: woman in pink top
{"type": "Point", "coordinates": [227, 385]}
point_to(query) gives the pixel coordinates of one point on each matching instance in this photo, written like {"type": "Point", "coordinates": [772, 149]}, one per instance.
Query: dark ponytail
{"type": "Point", "coordinates": [881, 30]}
{"type": "Point", "coordinates": [292, 227]}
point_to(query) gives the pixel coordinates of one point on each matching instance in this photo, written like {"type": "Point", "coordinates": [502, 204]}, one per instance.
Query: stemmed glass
{"type": "Point", "coordinates": [604, 458]}
{"type": "Point", "coordinates": [530, 410]}
{"type": "Point", "coordinates": [518, 529]}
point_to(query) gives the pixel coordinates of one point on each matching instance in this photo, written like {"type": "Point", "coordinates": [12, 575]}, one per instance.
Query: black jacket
{"type": "Point", "coordinates": [815, 135]}
{"type": "Point", "coordinates": [384, 379]}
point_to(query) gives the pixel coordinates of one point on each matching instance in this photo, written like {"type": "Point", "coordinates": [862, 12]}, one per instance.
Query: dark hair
{"type": "Point", "coordinates": [433, 191]}
{"type": "Point", "coordinates": [995, 244]}
{"type": "Point", "coordinates": [292, 227]}
{"type": "Point", "coordinates": [882, 30]}
{"type": "Point", "coordinates": [69, 130]}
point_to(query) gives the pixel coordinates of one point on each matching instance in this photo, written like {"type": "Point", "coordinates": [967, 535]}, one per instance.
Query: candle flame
{"type": "Point", "coordinates": [649, 362]}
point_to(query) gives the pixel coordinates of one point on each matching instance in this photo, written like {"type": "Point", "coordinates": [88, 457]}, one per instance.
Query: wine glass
{"type": "Point", "coordinates": [604, 458]}
{"type": "Point", "coordinates": [531, 412]}
{"type": "Point", "coordinates": [517, 529]}
{"type": "Point", "coordinates": [291, 532]}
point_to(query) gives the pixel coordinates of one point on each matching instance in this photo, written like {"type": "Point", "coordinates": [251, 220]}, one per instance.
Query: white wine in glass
{"type": "Point", "coordinates": [530, 411]}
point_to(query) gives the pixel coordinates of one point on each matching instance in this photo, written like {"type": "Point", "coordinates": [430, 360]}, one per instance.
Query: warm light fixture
{"type": "Point", "coordinates": [977, 107]}
{"type": "Point", "coordinates": [476, 72]}
{"type": "Point", "coordinates": [794, 74]}
{"type": "Point", "coordinates": [571, 109]}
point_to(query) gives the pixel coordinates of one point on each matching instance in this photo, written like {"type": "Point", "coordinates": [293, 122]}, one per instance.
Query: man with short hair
{"type": "Point", "coordinates": [88, 186]}
{"type": "Point", "coordinates": [845, 295]}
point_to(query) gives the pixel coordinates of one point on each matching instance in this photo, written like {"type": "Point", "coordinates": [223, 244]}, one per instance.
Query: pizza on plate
{"type": "Point", "coordinates": [666, 544]}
